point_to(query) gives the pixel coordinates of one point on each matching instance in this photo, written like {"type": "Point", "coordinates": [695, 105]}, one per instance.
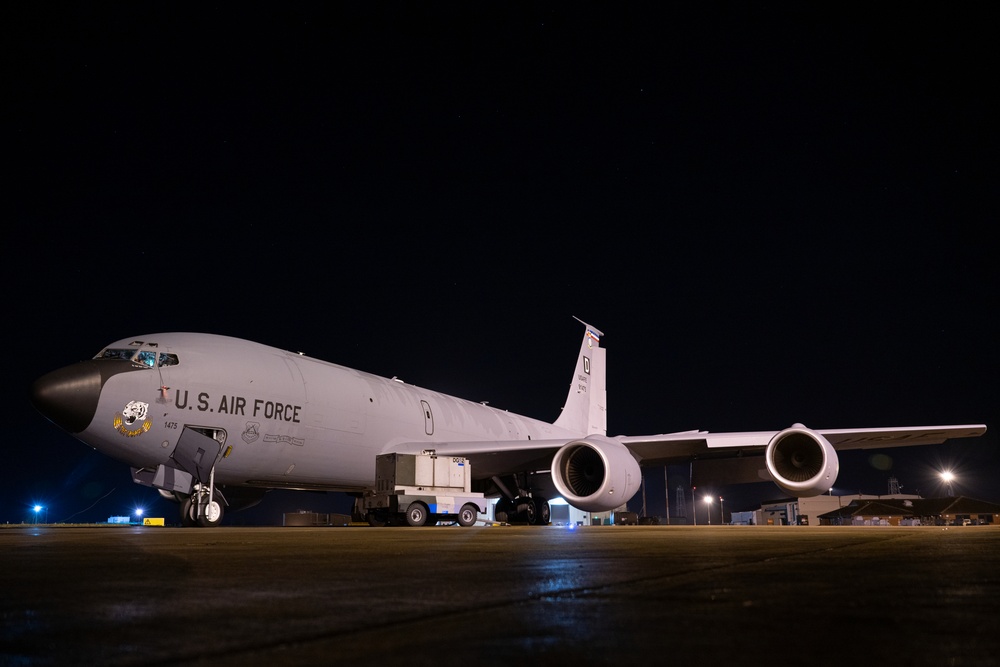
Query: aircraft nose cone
{"type": "Point", "coordinates": [69, 396]}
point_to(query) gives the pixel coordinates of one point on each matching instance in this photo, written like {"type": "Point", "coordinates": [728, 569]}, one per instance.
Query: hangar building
{"type": "Point", "coordinates": [892, 510]}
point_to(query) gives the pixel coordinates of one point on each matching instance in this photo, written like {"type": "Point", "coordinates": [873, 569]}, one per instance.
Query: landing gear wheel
{"type": "Point", "coordinates": [544, 511]}
{"type": "Point", "coordinates": [210, 513]}
{"type": "Point", "coordinates": [503, 511]}
{"type": "Point", "coordinates": [416, 514]}
{"type": "Point", "coordinates": [197, 511]}
{"type": "Point", "coordinates": [467, 515]}
{"type": "Point", "coordinates": [527, 510]}
{"type": "Point", "coordinates": [187, 513]}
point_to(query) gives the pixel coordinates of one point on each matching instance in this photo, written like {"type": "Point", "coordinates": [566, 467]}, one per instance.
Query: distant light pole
{"type": "Point", "coordinates": [708, 506]}
{"type": "Point", "coordinates": [38, 508]}
{"type": "Point", "coordinates": [138, 515]}
{"type": "Point", "coordinates": [694, 505]}
{"type": "Point", "coordinates": [949, 477]}
{"type": "Point", "coordinates": [722, 511]}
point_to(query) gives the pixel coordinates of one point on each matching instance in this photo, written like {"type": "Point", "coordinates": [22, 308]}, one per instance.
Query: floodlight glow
{"type": "Point", "coordinates": [948, 477]}
{"type": "Point", "coordinates": [38, 508]}
{"type": "Point", "coordinates": [708, 500]}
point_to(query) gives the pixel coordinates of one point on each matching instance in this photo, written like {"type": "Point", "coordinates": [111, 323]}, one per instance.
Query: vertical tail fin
{"type": "Point", "coordinates": [585, 411]}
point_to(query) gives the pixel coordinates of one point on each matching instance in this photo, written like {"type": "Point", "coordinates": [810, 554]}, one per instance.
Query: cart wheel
{"type": "Point", "coordinates": [468, 515]}
{"type": "Point", "coordinates": [416, 514]}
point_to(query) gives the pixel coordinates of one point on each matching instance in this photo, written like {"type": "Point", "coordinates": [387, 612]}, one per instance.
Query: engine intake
{"type": "Point", "coordinates": [802, 462]}
{"type": "Point", "coordinates": [595, 474]}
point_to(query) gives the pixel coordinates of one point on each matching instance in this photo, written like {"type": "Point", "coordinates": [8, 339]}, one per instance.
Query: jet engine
{"type": "Point", "coordinates": [595, 474]}
{"type": "Point", "coordinates": [802, 462]}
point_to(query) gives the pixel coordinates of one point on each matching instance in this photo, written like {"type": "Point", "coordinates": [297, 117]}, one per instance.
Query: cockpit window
{"type": "Point", "coordinates": [117, 353]}
{"type": "Point", "coordinates": [146, 358]}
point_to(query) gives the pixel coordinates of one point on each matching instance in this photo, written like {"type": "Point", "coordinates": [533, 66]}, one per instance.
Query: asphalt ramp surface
{"type": "Point", "coordinates": [599, 595]}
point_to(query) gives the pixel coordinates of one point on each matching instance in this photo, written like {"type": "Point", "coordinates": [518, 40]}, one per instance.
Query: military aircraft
{"type": "Point", "coordinates": [215, 422]}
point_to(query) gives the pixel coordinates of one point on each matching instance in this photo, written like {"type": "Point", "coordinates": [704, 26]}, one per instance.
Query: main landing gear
{"type": "Point", "coordinates": [532, 510]}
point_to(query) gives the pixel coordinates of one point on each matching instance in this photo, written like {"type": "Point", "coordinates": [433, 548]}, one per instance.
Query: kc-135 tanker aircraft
{"type": "Point", "coordinates": [214, 422]}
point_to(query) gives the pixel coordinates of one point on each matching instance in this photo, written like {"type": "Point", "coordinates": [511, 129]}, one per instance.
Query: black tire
{"type": "Point", "coordinates": [544, 511]}
{"type": "Point", "coordinates": [187, 513]}
{"type": "Point", "coordinates": [503, 511]}
{"type": "Point", "coordinates": [527, 511]}
{"type": "Point", "coordinates": [467, 515]}
{"type": "Point", "coordinates": [377, 519]}
{"type": "Point", "coordinates": [416, 514]}
{"type": "Point", "coordinates": [210, 514]}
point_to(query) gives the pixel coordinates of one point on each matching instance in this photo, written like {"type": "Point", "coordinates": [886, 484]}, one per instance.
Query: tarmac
{"type": "Point", "coordinates": [501, 595]}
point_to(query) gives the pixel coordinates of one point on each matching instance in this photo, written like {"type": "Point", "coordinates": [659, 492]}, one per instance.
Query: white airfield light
{"type": "Point", "coordinates": [948, 477]}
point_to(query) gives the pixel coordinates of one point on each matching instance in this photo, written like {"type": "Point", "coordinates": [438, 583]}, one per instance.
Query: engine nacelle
{"type": "Point", "coordinates": [802, 462]}
{"type": "Point", "coordinates": [595, 474]}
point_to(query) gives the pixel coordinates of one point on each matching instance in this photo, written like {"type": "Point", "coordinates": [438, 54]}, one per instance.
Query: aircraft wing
{"type": "Point", "coordinates": [683, 446]}
{"type": "Point", "coordinates": [497, 457]}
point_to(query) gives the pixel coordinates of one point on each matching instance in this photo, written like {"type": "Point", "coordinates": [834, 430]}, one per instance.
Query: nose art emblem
{"type": "Point", "coordinates": [131, 421]}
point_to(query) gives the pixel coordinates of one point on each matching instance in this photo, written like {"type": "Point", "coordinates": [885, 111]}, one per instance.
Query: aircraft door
{"type": "Point", "coordinates": [197, 452]}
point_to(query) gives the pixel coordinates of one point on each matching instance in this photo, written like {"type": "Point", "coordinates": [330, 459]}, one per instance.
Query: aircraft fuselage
{"type": "Point", "coordinates": [282, 419]}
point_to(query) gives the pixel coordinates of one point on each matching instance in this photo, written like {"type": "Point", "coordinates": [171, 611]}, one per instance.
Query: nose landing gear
{"type": "Point", "coordinates": [197, 452]}
{"type": "Point", "coordinates": [202, 508]}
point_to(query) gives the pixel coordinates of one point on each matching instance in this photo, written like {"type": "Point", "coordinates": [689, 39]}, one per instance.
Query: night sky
{"type": "Point", "coordinates": [776, 213]}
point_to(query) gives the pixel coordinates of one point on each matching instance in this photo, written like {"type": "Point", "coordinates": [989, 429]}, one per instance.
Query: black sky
{"type": "Point", "coordinates": [776, 213]}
